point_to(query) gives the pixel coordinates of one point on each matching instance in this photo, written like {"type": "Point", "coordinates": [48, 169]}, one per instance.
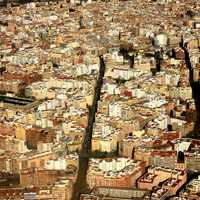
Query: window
{"type": "Point", "coordinates": [33, 164]}
{"type": "Point", "coordinates": [24, 164]}
{"type": "Point", "coordinates": [42, 162]}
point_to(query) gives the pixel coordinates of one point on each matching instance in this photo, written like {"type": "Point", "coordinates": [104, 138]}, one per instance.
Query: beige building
{"type": "Point", "coordinates": [154, 176]}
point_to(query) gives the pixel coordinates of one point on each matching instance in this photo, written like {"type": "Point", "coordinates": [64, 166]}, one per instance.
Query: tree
{"type": "Point", "coordinates": [190, 13]}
